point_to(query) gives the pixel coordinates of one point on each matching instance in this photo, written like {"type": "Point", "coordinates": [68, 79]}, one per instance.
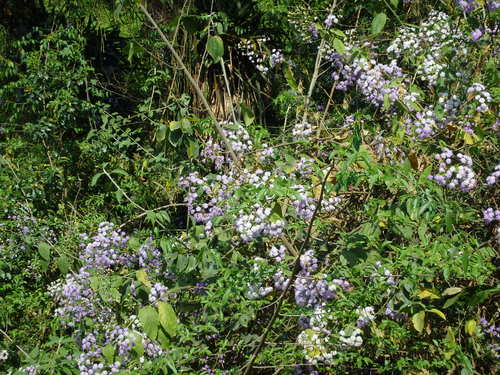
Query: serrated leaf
{"type": "Point", "coordinates": [378, 23]}
{"type": "Point", "coordinates": [451, 291]}
{"type": "Point", "coordinates": [44, 251]}
{"type": "Point", "coordinates": [142, 276]}
{"type": "Point", "coordinates": [339, 46]}
{"type": "Point", "coordinates": [427, 294]}
{"type": "Point", "coordinates": [437, 312]}
{"type": "Point", "coordinates": [168, 318]}
{"type": "Point", "coordinates": [148, 316]}
{"type": "Point", "coordinates": [418, 321]}
{"type": "Point", "coordinates": [470, 327]}
{"type": "Point", "coordinates": [215, 47]}
{"type": "Point", "coordinates": [109, 352]}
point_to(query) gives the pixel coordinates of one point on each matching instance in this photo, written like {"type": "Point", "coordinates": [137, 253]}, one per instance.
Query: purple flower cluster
{"type": "Point", "coordinates": [494, 177]}
{"type": "Point", "coordinates": [157, 293]}
{"type": "Point", "coordinates": [302, 130]}
{"type": "Point", "coordinates": [423, 125]}
{"type": "Point", "coordinates": [480, 95]}
{"type": "Point", "coordinates": [467, 6]}
{"type": "Point", "coordinates": [237, 136]}
{"type": "Point", "coordinates": [105, 250]}
{"type": "Point", "coordinates": [312, 289]}
{"type": "Point", "coordinates": [212, 153]}
{"type": "Point", "coordinates": [455, 172]}
{"type": "Point", "coordinates": [277, 254]}
{"type": "Point", "coordinates": [489, 329]}
{"type": "Point", "coordinates": [490, 215]}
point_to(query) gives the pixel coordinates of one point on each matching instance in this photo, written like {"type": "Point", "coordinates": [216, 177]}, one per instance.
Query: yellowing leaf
{"type": "Point", "coordinates": [142, 276]}
{"type": "Point", "coordinates": [426, 293]}
{"type": "Point", "coordinates": [451, 291]}
{"type": "Point", "coordinates": [470, 327]}
{"type": "Point", "coordinates": [418, 321]}
{"type": "Point", "coordinates": [438, 313]}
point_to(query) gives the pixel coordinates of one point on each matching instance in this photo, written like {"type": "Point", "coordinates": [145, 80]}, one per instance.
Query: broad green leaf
{"type": "Point", "coordinates": [63, 264]}
{"type": "Point", "coordinates": [142, 276]}
{"type": "Point", "coordinates": [174, 125]}
{"type": "Point", "coordinates": [44, 251]}
{"type": "Point", "coordinates": [470, 327]}
{"type": "Point", "coordinates": [248, 116]}
{"type": "Point", "coordinates": [168, 319]}
{"type": "Point", "coordinates": [451, 301]}
{"type": "Point", "coordinates": [95, 178]}
{"type": "Point", "coordinates": [215, 47]}
{"type": "Point", "coordinates": [378, 23]}
{"type": "Point", "coordinates": [139, 346]}
{"type": "Point", "coordinates": [339, 46]}
{"type": "Point", "coordinates": [395, 3]}
{"type": "Point", "coordinates": [437, 312]}
{"type": "Point", "coordinates": [109, 352]}
{"type": "Point", "coordinates": [193, 149]}
{"type": "Point", "coordinates": [161, 133]}
{"type": "Point", "coordinates": [418, 321]}
{"type": "Point", "coordinates": [148, 316]}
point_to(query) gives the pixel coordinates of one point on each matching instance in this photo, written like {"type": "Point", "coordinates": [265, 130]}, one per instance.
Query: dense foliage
{"type": "Point", "coordinates": [249, 187]}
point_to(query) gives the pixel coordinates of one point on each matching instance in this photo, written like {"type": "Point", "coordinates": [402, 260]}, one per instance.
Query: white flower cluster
{"type": "Point", "coordinates": [4, 355]}
{"type": "Point", "coordinates": [302, 130]}
{"type": "Point", "coordinates": [258, 178]}
{"type": "Point", "coordinates": [253, 51]}
{"type": "Point", "coordinates": [331, 204]}
{"type": "Point", "coordinates": [257, 291]}
{"type": "Point", "coordinates": [455, 175]}
{"type": "Point", "coordinates": [351, 337]}
{"type": "Point", "coordinates": [494, 176]}
{"type": "Point", "coordinates": [237, 136]}
{"type": "Point", "coordinates": [429, 40]}
{"type": "Point", "coordinates": [479, 93]}
{"type": "Point", "coordinates": [315, 347]}
{"type": "Point", "coordinates": [257, 223]}
{"type": "Point", "coordinates": [366, 315]}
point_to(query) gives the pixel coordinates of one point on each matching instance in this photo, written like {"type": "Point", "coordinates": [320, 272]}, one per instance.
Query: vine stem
{"type": "Point", "coordinates": [296, 269]}
{"type": "Point", "coordinates": [195, 85]}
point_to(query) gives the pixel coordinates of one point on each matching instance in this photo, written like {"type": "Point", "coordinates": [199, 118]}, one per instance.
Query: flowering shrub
{"type": "Point", "coordinates": [344, 220]}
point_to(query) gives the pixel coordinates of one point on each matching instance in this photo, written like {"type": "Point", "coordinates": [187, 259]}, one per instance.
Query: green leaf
{"type": "Point", "coordinates": [139, 346]}
{"type": "Point", "coordinates": [148, 316]}
{"type": "Point", "coordinates": [339, 46]}
{"type": "Point", "coordinates": [193, 149]}
{"type": "Point", "coordinates": [378, 23]}
{"type": "Point", "coordinates": [451, 301]}
{"type": "Point", "coordinates": [44, 251]}
{"type": "Point", "coordinates": [108, 352]}
{"type": "Point", "coordinates": [395, 3]}
{"type": "Point", "coordinates": [119, 171]}
{"type": "Point", "coordinates": [168, 319]}
{"type": "Point", "coordinates": [215, 47]}
{"type": "Point", "coordinates": [161, 133]}
{"type": "Point", "coordinates": [470, 327]}
{"type": "Point", "coordinates": [142, 276]}
{"type": "Point", "coordinates": [63, 264]}
{"type": "Point", "coordinates": [437, 312]}
{"type": "Point", "coordinates": [95, 178]}
{"type": "Point", "coordinates": [418, 321]}
{"type": "Point", "coordinates": [248, 116]}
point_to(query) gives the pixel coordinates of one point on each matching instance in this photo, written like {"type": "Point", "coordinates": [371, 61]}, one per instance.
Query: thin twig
{"type": "Point", "coordinates": [296, 270]}
{"type": "Point", "coordinates": [195, 86]}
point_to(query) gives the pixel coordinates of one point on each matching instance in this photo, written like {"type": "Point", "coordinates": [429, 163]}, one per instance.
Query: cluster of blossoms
{"type": "Point", "coordinates": [237, 136]}
{"type": "Point", "coordinates": [255, 53]}
{"type": "Point", "coordinates": [257, 223]}
{"type": "Point", "coordinates": [429, 41]}
{"type": "Point", "coordinates": [92, 362]}
{"type": "Point", "coordinates": [455, 173]}
{"type": "Point", "coordinates": [302, 130]}
{"type": "Point", "coordinates": [312, 289]}
{"type": "Point", "coordinates": [383, 149]}
{"type": "Point", "coordinates": [391, 314]}
{"type": "Point", "coordinates": [277, 254]}
{"type": "Point", "coordinates": [212, 153]}
{"type": "Point", "coordinates": [304, 205]}
{"type": "Point", "coordinates": [366, 315]}
{"type": "Point", "coordinates": [351, 337]}
{"type": "Point", "coordinates": [331, 204]}
{"type": "Point", "coordinates": [490, 215]}
{"type": "Point", "coordinates": [423, 125]}
{"type": "Point", "coordinates": [371, 78]}
{"type": "Point", "coordinates": [467, 6]}
{"type": "Point", "coordinates": [494, 176]}
{"type": "Point", "coordinates": [158, 293]}
{"type": "Point", "coordinates": [315, 346]}
{"type": "Point", "coordinates": [479, 94]}
{"type": "Point", "coordinates": [383, 273]}
{"type": "Point", "coordinates": [266, 153]}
